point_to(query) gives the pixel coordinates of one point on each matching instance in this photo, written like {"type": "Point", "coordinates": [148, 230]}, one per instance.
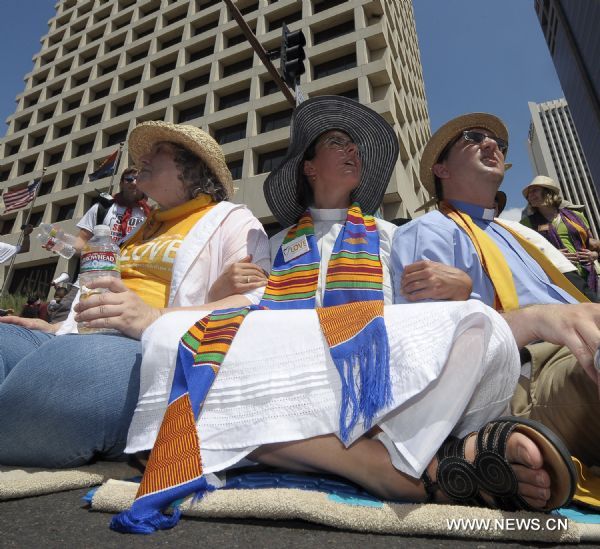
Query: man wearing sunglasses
{"type": "Point", "coordinates": [123, 213]}
{"type": "Point", "coordinates": [462, 166]}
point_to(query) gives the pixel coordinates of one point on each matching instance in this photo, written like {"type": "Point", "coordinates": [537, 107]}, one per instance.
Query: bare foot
{"type": "Point", "coordinates": [526, 462]}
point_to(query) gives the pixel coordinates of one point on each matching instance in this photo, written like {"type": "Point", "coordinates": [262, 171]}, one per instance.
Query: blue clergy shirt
{"type": "Point", "coordinates": [437, 238]}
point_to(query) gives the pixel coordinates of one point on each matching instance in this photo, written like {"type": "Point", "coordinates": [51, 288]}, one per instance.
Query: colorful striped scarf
{"type": "Point", "coordinates": [351, 320]}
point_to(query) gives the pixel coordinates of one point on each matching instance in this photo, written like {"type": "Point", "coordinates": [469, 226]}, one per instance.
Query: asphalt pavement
{"type": "Point", "coordinates": [61, 521]}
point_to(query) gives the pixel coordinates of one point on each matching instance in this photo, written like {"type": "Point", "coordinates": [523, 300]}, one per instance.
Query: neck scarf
{"type": "Point", "coordinates": [578, 234]}
{"type": "Point", "coordinates": [143, 204]}
{"type": "Point", "coordinates": [495, 265]}
{"type": "Point", "coordinates": [354, 290]}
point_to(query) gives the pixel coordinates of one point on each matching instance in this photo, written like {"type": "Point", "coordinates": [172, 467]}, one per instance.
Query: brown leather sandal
{"type": "Point", "coordinates": [491, 472]}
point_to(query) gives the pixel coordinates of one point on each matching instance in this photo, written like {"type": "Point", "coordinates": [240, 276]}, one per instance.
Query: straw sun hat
{"type": "Point", "coordinates": [548, 183]}
{"type": "Point", "coordinates": [377, 143]}
{"type": "Point", "coordinates": [146, 135]}
{"type": "Point", "coordinates": [449, 131]}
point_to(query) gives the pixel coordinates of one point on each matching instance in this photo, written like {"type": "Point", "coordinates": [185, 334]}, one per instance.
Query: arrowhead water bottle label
{"type": "Point", "coordinates": [103, 261]}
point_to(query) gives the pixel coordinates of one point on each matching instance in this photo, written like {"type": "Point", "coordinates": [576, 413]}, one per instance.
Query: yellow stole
{"type": "Point", "coordinates": [495, 266]}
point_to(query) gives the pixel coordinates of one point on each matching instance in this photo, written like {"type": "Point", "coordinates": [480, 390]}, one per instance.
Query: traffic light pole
{"type": "Point", "coordinates": [262, 54]}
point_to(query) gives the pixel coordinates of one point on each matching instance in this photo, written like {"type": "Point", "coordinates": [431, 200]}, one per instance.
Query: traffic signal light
{"type": "Point", "coordinates": [292, 55]}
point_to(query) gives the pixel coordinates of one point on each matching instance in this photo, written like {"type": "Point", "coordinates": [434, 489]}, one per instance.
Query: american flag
{"type": "Point", "coordinates": [15, 199]}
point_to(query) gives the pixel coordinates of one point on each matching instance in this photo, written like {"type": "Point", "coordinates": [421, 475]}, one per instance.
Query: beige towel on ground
{"type": "Point", "coordinates": [363, 515]}
{"type": "Point", "coordinates": [27, 482]}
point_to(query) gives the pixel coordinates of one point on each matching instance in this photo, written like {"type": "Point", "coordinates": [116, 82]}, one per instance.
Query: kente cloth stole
{"type": "Point", "coordinates": [496, 266]}
{"type": "Point", "coordinates": [351, 321]}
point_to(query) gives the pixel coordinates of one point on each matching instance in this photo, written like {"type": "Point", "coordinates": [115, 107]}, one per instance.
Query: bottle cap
{"type": "Point", "coordinates": [101, 230]}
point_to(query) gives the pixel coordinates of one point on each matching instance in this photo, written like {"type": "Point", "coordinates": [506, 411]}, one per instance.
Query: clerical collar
{"type": "Point", "coordinates": [487, 214]}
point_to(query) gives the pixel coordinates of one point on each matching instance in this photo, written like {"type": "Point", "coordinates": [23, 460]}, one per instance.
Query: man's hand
{"type": "Point", "coordinates": [432, 280]}
{"type": "Point", "coordinates": [31, 323]}
{"type": "Point", "coordinates": [119, 309]}
{"type": "Point", "coordinates": [575, 326]}
{"type": "Point", "coordinates": [238, 278]}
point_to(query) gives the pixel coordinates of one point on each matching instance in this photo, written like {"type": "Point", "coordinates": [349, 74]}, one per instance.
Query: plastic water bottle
{"type": "Point", "coordinates": [54, 239]}
{"type": "Point", "coordinates": [99, 258]}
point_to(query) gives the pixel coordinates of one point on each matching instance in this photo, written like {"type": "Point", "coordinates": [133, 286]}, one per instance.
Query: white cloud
{"type": "Point", "coordinates": [513, 214]}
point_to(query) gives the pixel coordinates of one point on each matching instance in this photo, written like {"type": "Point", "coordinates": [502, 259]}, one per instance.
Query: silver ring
{"type": "Point", "coordinates": [247, 280]}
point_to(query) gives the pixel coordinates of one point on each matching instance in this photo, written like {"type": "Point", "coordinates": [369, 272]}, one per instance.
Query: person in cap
{"type": "Point", "coordinates": [566, 227]}
{"type": "Point", "coordinates": [341, 389]}
{"type": "Point", "coordinates": [463, 166]}
{"type": "Point", "coordinates": [123, 213]}
{"type": "Point", "coordinates": [67, 400]}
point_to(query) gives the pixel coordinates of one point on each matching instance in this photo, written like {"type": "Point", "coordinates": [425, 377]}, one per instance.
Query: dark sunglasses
{"type": "Point", "coordinates": [478, 137]}
{"type": "Point", "coordinates": [130, 178]}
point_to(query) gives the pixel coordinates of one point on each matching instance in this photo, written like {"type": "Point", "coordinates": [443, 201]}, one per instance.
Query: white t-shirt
{"type": "Point", "coordinates": [112, 219]}
{"type": "Point", "coordinates": [7, 251]}
{"type": "Point", "coordinates": [327, 225]}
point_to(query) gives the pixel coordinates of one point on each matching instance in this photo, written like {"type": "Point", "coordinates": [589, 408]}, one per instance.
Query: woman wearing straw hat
{"type": "Point", "coordinates": [566, 227]}
{"type": "Point", "coordinates": [65, 400]}
{"type": "Point", "coordinates": [341, 389]}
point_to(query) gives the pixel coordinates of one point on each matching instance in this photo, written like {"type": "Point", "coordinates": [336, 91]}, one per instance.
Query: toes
{"type": "Point", "coordinates": [535, 477]}
{"type": "Point", "coordinates": [523, 450]}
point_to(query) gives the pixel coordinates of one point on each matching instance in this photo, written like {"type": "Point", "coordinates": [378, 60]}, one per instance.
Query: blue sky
{"type": "Point", "coordinates": [477, 55]}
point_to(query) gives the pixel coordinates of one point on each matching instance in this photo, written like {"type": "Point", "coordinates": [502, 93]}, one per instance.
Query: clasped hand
{"type": "Point", "coordinates": [433, 280]}
{"type": "Point", "coordinates": [119, 309]}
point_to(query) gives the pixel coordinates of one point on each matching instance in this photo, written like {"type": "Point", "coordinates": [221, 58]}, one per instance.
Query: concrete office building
{"type": "Point", "coordinates": [571, 31]}
{"type": "Point", "coordinates": [107, 65]}
{"type": "Point", "coordinates": [555, 151]}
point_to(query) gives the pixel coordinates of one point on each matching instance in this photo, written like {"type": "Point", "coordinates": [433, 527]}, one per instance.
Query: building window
{"type": "Point", "coordinates": [159, 95]}
{"type": "Point", "coordinates": [249, 9]}
{"type": "Point", "coordinates": [334, 66]}
{"type": "Point", "coordinates": [74, 180]}
{"type": "Point", "coordinates": [351, 94]}
{"type": "Point", "coordinates": [85, 148]}
{"type": "Point", "coordinates": [55, 158]}
{"type": "Point", "coordinates": [333, 32]}
{"type": "Point", "coordinates": [170, 19]}
{"type": "Point", "coordinates": [269, 87]}
{"type": "Point", "coordinates": [37, 139]}
{"type": "Point", "coordinates": [162, 69]}
{"type": "Point", "coordinates": [64, 130]}
{"type": "Point", "coordinates": [270, 160]}
{"type": "Point", "coordinates": [231, 133]}
{"type": "Point", "coordinates": [81, 80]}
{"type": "Point", "coordinates": [46, 187]}
{"type": "Point", "coordinates": [66, 211]}
{"type": "Point", "coordinates": [22, 123]}
{"type": "Point", "coordinates": [93, 119]}
{"type": "Point", "coordinates": [33, 280]}
{"type": "Point", "coordinates": [6, 226]}
{"type": "Point", "coordinates": [276, 120]}
{"type": "Point", "coordinates": [128, 82]}
{"type": "Point", "coordinates": [115, 138]}
{"type": "Point", "coordinates": [232, 99]}
{"type": "Point", "coordinates": [53, 92]}
{"type": "Point", "coordinates": [190, 113]}
{"type": "Point", "coordinates": [28, 167]}
{"type": "Point", "coordinates": [168, 43]}
{"type": "Point", "coordinates": [69, 106]}
{"type": "Point", "coordinates": [114, 46]}
{"type": "Point", "coordinates": [108, 69]}
{"type": "Point", "coordinates": [326, 4]}
{"type": "Point", "coordinates": [124, 108]}
{"type": "Point", "coordinates": [235, 40]}
{"type": "Point", "coordinates": [203, 4]}
{"type": "Point", "coordinates": [144, 32]}
{"type": "Point", "coordinates": [99, 94]}
{"type": "Point", "coordinates": [240, 66]}
{"type": "Point", "coordinates": [47, 115]}
{"type": "Point", "coordinates": [200, 54]}
{"type": "Point", "coordinates": [287, 19]}
{"type": "Point", "coordinates": [235, 167]}
{"type": "Point", "coordinates": [137, 56]}
{"type": "Point", "coordinates": [13, 148]}
{"type": "Point", "coordinates": [196, 82]}
{"type": "Point", "coordinates": [206, 27]}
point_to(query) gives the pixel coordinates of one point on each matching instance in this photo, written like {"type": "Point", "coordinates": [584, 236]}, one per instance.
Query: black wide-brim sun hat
{"type": "Point", "coordinates": [376, 139]}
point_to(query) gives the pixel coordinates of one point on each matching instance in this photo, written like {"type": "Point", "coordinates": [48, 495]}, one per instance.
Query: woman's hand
{"type": "Point", "coordinates": [432, 280]}
{"type": "Point", "coordinates": [238, 278]}
{"type": "Point", "coordinates": [120, 309]}
{"type": "Point", "coordinates": [571, 256]}
{"type": "Point", "coordinates": [31, 323]}
{"type": "Point", "coordinates": [585, 257]}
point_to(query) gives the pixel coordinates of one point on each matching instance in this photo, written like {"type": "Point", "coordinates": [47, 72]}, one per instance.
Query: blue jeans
{"type": "Point", "coordinates": [65, 400]}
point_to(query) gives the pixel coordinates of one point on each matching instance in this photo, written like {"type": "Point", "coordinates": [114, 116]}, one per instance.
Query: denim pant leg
{"type": "Point", "coordinates": [69, 401]}
{"type": "Point", "coordinates": [17, 342]}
